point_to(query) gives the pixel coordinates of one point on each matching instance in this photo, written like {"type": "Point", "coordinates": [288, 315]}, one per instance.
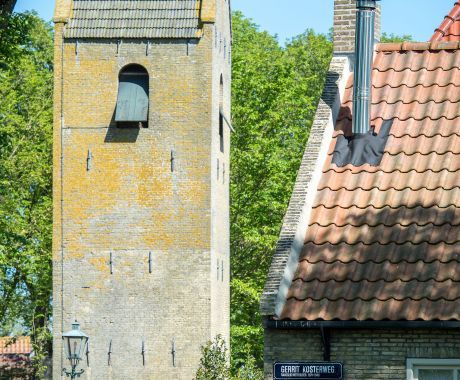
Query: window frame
{"type": "Point", "coordinates": [133, 70]}
{"type": "Point", "coordinates": [413, 365]}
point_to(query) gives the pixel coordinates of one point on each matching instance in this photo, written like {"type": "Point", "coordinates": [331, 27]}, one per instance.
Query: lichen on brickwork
{"type": "Point", "coordinates": [129, 207]}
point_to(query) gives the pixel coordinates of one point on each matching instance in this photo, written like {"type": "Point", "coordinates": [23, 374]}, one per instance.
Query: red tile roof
{"type": "Point", "coordinates": [10, 346]}
{"type": "Point", "coordinates": [383, 243]}
{"type": "Point", "coordinates": [450, 28]}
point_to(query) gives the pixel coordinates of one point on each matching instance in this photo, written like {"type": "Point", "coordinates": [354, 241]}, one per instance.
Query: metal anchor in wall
{"type": "Point", "coordinates": [143, 353]}
{"type": "Point", "coordinates": [109, 361]}
{"type": "Point", "coordinates": [173, 352]}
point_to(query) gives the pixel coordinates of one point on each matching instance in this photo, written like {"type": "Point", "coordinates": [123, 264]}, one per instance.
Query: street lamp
{"type": "Point", "coordinates": [75, 342]}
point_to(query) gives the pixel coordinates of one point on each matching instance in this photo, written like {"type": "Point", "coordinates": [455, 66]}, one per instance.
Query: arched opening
{"type": "Point", "coordinates": [133, 96]}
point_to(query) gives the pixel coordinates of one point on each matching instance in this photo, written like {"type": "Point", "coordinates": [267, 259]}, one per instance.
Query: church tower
{"type": "Point", "coordinates": [141, 183]}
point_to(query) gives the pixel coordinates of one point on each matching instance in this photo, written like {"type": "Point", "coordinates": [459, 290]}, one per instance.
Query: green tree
{"type": "Point", "coordinates": [395, 38]}
{"type": "Point", "coordinates": [214, 361]}
{"type": "Point", "coordinates": [26, 89]}
{"type": "Point", "coordinates": [275, 92]}
{"type": "Point", "coordinates": [249, 371]}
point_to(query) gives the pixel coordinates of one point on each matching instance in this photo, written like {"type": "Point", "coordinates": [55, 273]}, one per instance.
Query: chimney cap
{"type": "Point", "coordinates": [366, 4]}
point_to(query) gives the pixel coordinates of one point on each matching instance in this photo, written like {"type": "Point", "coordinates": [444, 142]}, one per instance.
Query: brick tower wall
{"type": "Point", "coordinates": [117, 200]}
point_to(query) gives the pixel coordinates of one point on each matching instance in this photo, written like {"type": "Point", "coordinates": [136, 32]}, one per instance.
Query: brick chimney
{"type": "Point", "coordinates": [344, 26]}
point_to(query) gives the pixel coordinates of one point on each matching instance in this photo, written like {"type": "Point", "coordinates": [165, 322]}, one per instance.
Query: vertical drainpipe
{"type": "Point", "coordinates": [364, 50]}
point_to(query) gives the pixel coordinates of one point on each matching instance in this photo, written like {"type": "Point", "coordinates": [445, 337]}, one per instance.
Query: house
{"type": "Point", "coordinates": [366, 273]}
{"type": "Point", "coordinates": [15, 358]}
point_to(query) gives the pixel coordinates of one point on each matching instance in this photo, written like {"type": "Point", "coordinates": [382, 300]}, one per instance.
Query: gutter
{"type": "Point", "coordinates": [343, 325]}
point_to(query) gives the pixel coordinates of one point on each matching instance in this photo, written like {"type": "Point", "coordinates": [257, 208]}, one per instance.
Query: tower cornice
{"type": "Point", "coordinates": [208, 11]}
{"type": "Point", "coordinates": [62, 12]}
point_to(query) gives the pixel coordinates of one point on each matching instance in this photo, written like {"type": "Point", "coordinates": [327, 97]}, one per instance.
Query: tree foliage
{"type": "Point", "coordinates": [275, 92]}
{"type": "Point", "coordinates": [214, 361]}
{"type": "Point", "coordinates": [26, 55]}
{"type": "Point", "coordinates": [395, 38]}
{"type": "Point", "coordinates": [214, 364]}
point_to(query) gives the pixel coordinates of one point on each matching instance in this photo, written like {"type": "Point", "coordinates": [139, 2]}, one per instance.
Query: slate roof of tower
{"type": "Point", "coordinates": [449, 30]}
{"type": "Point", "coordinates": [134, 19]}
{"type": "Point", "coordinates": [383, 243]}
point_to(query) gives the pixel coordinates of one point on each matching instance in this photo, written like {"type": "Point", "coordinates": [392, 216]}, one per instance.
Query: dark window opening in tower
{"type": "Point", "coordinates": [133, 97]}
{"type": "Point", "coordinates": [221, 114]}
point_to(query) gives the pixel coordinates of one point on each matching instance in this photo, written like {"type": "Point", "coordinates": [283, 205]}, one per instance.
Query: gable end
{"type": "Point", "coordinates": [290, 243]}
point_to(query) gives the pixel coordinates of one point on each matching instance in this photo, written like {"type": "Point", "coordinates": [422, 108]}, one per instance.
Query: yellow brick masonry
{"type": "Point", "coordinates": [365, 354]}
{"type": "Point", "coordinates": [344, 26]}
{"type": "Point", "coordinates": [208, 10]}
{"type": "Point", "coordinates": [62, 11]}
{"type": "Point", "coordinates": [129, 206]}
{"type": "Point", "coordinates": [220, 197]}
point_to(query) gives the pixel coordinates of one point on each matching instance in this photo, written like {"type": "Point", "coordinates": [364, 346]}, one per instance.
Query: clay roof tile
{"type": "Point", "coordinates": [383, 242]}
{"type": "Point", "coordinates": [15, 346]}
{"type": "Point", "coordinates": [449, 30]}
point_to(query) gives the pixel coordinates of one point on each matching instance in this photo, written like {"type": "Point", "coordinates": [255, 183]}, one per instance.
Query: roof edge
{"type": "Point", "coordinates": [369, 324]}
{"type": "Point", "coordinates": [450, 19]}
{"type": "Point", "coordinates": [295, 224]}
{"type": "Point", "coordinates": [417, 46]}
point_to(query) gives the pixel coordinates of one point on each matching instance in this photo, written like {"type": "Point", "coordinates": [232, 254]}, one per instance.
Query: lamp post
{"type": "Point", "coordinates": [75, 342]}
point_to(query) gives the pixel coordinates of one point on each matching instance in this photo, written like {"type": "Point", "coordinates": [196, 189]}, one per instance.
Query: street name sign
{"type": "Point", "coordinates": [307, 371]}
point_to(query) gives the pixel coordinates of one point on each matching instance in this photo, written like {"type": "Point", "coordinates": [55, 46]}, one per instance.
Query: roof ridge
{"type": "Point", "coordinates": [417, 46]}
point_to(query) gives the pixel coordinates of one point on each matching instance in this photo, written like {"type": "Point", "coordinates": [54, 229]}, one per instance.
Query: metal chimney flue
{"type": "Point", "coordinates": [366, 146]}
{"type": "Point", "coordinates": [364, 50]}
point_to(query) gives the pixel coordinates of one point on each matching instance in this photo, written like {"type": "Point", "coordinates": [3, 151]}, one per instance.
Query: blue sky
{"type": "Point", "coordinates": [288, 18]}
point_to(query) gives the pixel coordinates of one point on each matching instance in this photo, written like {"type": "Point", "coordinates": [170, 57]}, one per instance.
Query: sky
{"type": "Point", "coordinates": [288, 18]}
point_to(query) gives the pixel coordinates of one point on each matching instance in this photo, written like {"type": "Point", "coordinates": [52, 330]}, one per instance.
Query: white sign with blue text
{"type": "Point", "coordinates": [307, 371]}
